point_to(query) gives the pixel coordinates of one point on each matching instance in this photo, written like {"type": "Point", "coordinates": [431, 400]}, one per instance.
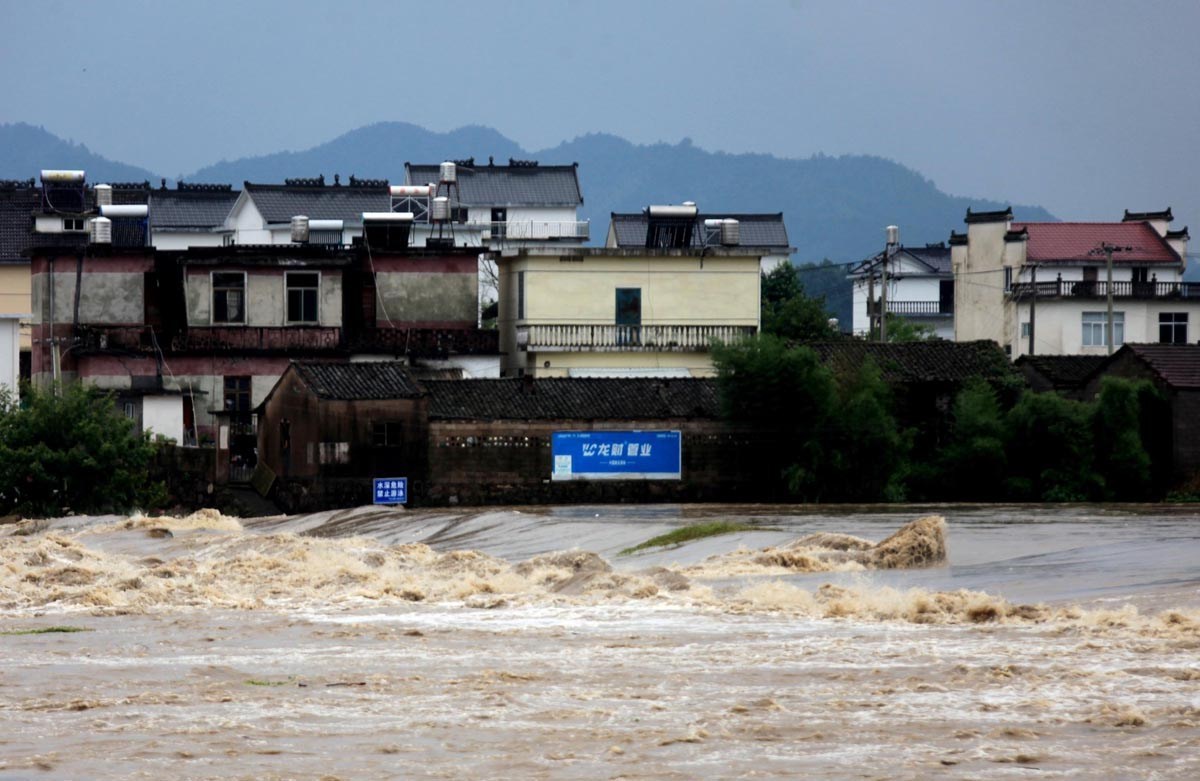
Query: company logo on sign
{"type": "Point", "coordinates": [616, 455]}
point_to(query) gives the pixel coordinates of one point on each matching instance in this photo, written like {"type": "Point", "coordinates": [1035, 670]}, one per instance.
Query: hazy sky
{"type": "Point", "coordinates": [1086, 107]}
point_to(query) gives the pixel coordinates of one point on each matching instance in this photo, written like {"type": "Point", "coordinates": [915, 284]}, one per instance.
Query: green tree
{"type": "Point", "coordinates": [901, 329]}
{"type": "Point", "coordinates": [1049, 448]}
{"type": "Point", "coordinates": [973, 462]}
{"type": "Point", "coordinates": [72, 452]}
{"type": "Point", "coordinates": [1121, 459]}
{"type": "Point", "coordinates": [863, 451]}
{"type": "Point", "coordinates": [789, 312]}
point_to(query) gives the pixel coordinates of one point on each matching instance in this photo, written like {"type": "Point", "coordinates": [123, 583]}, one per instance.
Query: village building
{"type": "Point", "coordinates": [651, 310]}
{"type": "Point", "coordinates": [920, 289]}
{"type": "Point", "coordinates": [1044, 288]}
{"type": "Point", "coordinates": [492, 206]}
{"type": "Point", "coordinates": [192, 340]}
{"type": "Point", "coordinates": [190, 215]}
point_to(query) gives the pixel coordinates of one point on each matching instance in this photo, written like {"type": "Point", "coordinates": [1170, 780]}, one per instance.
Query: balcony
{"type": "Point", "coordinates": [1061, 288]}
{"type": "Point", "coordinates": [628, 338]}
{"type": "Point", "coordinates": [533, 230]}
{"type": "Point", "coordinates": [914, 308]}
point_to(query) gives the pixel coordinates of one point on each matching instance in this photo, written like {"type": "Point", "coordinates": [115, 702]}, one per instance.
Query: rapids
{"type": "Point", "coordinates": [375, 642]}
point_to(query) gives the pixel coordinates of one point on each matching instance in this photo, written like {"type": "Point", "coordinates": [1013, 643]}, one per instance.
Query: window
{"type": "Point", "coordinates": [1173, 327]}
{"type": "Point", "coordinates": [520, 295]}
{"type": "Point", "coordinates": [302, 289]}
{"type": "Point", "coordinates": [1025, 330]}
{"type": "Point", "coordinates": [229, 297]}
{"type": "Point", "coordinates": [1094, 328]}
{"type": "Point", "coordinates": [129, 410]}
{"type": "Point", "coordinates": [73, 224]}
{"type": "Point", "coordinates": [237, 394]}
{"type": "Point", "coordinates": [328, 452]}
{"type": "Point", "coordinates": [1007, 279]}
{"type": "Point", "coordinates": [386, 434]}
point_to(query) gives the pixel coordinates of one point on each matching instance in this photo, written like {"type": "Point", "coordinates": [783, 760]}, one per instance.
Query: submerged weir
{"type": "Point", "coordinates": [440, 644]}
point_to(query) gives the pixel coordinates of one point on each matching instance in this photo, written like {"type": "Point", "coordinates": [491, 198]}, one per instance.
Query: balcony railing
{"type": "Point", "coordinates": [914, 308]}
{"type": "Point", "coordinates": [534, 230]}
{"type": "Point", "coordinates": [1061, 288]}
{"type": "Point", "coordinates": [643, 338]}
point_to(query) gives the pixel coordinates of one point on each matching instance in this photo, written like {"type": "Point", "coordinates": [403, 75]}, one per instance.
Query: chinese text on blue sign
{"type": "Point", "coordinates": [616, 455]}
{"type": "Point", "coordinates": [391, 490]}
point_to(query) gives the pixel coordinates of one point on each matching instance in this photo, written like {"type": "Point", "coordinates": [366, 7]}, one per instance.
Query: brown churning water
{"type": "Point", "coordinates": [333, 647]}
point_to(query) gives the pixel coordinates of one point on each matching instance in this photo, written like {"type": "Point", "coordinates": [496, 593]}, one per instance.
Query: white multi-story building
{"type": "Point", "coordinates": [920, 288]}
{"type": "Point", "coordinates": [1044, 287]}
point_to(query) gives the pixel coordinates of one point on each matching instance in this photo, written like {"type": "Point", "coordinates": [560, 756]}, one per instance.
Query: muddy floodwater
{"type": "Point", "coordinates": [1000, 642]}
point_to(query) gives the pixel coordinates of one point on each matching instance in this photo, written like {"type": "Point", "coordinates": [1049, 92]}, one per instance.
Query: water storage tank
{"type": "Point", "coordinates": [300, 229]}
{"type": "Point", "coordinates": [684, 211]}
{"type": "Point", "coordinates": [411, 190]}
{"type": "Point", "coordinates": [893, 234]}
{"type": "Point", "coordinates": [441, 209]}
{"type": "Point", "coordinates": [102, 230]}
{"type": "Point", "coordinates": [103, 195]}
{"type": "Point", "coordinates": [326, 225]}
{"type": "Point", "coordinates": [55, 175]}
{"type": "Point", "coordinates": [448, 172]}
{"type": "Point", "coordinates": [125, 210]}
{"type": "Point", "coordinates": [731, 232]}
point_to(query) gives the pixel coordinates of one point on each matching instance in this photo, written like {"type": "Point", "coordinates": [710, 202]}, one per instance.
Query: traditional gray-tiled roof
{"type": "Point", "coordinates": [575, 398]}
{"type": "Point", "coordinates": [508, 185]}
{"type": "Point", "coordinates": [279, 203]}
{"type": "Point", "coordinates": [1177, 365]}
{"type": "Point", "coordinates": [918, 362]}
{"type": "Point", "coordinates": [194, 210]}
{"type": "Point", "coordinates": [934, 257]}
{"type": "Point", "coordinates": [1062, 372]}
{"type": "Point", "coordinates": [359, 381]}
{"type": "Point", "coordinates": [757, 230]}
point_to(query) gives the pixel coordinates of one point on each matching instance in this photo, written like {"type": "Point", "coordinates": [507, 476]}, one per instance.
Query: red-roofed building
{"type": "Point", "coordinates": [1042, 288]}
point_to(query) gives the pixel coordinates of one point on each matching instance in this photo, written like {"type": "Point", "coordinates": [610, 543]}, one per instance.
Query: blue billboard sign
{"type": "Point", "coordinates": [616, 455]}
{"type": "Point", "coordinates": [391, 490]}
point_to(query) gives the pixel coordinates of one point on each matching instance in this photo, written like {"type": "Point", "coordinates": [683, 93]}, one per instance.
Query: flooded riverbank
{"type": "Point", "coordinates": [521, 643]}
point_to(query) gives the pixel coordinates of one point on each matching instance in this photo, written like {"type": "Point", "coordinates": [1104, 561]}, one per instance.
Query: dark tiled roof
{"type": "Point", "coordinates": [917, 362]}
{"type": "Point", "coordinates": [1165, 214]}
{"type": "Point", "coordinates": [756, 230]}
{"type": "Point", "coordinates": [190, 209]}
{"type": "Point", "coordinates": [1062, 371]}
{"type": "Point", "coordinates": [1081, 242]}
{"type": "Point", "coordinates": [935, 257]}
{"type": "Point", "coordinates": [996, 216]}
{"type": "Point", "coordinates": [1177, 364]}
{"type": "Point", "coordinates": [508, 185]}
{"type": "Point", "coordinates": [281, 202]}
{"type": "Point", "coordinates": [575, 398]}
{"type": "Point", "coordinates": [359, 381]}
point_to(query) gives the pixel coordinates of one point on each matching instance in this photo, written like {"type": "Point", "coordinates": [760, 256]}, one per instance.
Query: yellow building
{"type": "Point", "coordinates": [14, 295]}
{"type": "Point", "coordinates": [611, 311]}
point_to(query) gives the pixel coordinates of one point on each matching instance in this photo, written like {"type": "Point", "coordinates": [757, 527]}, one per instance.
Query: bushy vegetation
{"type": "Point", "coordinates": [840, 438]}
{"type": "Point", "coordinates": [72, 452]}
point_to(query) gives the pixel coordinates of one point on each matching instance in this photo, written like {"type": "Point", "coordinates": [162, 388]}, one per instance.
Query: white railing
{"type": "Point", "coordinates": [687, 338]}
{"type": "Point", "coordinates": [534, 230]}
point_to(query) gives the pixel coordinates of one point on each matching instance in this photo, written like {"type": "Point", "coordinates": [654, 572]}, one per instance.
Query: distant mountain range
{"type": "Point", "coordinates": [835, 207]}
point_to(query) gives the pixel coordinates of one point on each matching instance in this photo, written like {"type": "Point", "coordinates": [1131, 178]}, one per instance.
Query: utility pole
{"type": "Point", "coordinates": [1108, 325]}
{"type": "Point", "coordinates": [893, 241]}
{"type": "Point", "coordinates": [872, 308]}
